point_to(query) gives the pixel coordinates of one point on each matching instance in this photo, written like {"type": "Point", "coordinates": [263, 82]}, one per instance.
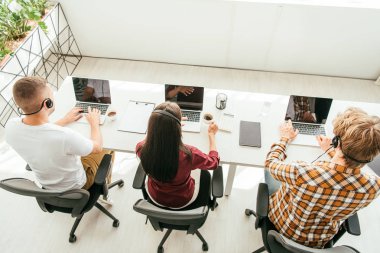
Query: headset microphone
{"type": "Point", "coordinates": [323, 153]}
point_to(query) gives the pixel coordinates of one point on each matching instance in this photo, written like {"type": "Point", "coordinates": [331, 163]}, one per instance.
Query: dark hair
{"type": "Point", "coordinates": [160, 153]}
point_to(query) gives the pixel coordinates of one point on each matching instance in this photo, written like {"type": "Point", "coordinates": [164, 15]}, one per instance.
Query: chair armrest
{"type": "Point", "coordinates": [352, 225]}
{"type": "Point", "coordinates": [104, 167]}
{"type": "Point", "coordinates": [139, 180]}
{"type": "Point", "coordinates": [217, 183]}
{"type": "Point", "coordinates": [262, 202]}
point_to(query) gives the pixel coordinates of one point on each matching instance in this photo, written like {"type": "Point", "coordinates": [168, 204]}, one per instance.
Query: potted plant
{"type": "Point", "coordinates": [17, 18]}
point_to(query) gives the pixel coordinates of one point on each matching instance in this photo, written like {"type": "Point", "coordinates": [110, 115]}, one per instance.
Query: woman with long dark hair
{"type": "Point", "coordinates": [169, 163]}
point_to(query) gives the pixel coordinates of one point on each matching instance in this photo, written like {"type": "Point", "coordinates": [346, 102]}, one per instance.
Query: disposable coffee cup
{"type": "Point", "coordinates": [208, 118]}
{"type": "Point", "coordinates": [112, 114]}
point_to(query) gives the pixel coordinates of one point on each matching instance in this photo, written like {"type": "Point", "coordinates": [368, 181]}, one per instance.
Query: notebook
{"type": "Point", "coordinates": [250, 134]}
{"type": "Point", "coordinates": [136, 118]}
{"type": "Point", "coordinates": [226, 122]}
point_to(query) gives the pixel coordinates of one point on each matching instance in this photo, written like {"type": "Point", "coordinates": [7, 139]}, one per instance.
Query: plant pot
{"type": "Point", "coordinates": [4, 60]}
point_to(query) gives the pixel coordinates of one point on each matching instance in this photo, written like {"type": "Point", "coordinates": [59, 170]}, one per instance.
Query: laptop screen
{"type": "Point", "coordinates": [92, 90]}
{"type": "Point", "coordinates": [187, 97]}
{"type": "Point", "coordinates": [308, 109]}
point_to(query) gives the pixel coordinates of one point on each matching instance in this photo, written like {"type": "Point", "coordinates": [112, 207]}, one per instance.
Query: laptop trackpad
{"type": "Point", "coordinates": [306, 140]}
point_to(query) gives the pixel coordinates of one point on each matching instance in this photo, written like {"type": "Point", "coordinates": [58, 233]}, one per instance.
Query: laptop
{"type": "Point", "coordinates": [308, 115]}
{"type": "Point", "coordinates": [191, 103]}
{"type": "Point", "coordinates": [95, 93]}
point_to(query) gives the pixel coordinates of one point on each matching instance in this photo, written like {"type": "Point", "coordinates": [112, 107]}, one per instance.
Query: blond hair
{"type": "Point", "coordinates": [27, 93]}
{"type": "Point", "coordinates": [359, 135]}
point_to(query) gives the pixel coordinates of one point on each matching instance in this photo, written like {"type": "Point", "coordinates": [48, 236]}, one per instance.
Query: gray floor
{"type": "Point", "coordinates": [25, 228]}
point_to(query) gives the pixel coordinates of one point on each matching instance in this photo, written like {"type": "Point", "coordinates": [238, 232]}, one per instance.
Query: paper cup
{"type": "Point", "coordinates": [208, 118]}
{"type": "Point", "coordinates": [112, 114]}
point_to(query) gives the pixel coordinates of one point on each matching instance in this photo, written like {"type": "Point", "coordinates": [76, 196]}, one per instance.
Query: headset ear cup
{"type": "Point", "coordinates": [335, 141]}
{"type": "Point", "coordinates": [49, 103]}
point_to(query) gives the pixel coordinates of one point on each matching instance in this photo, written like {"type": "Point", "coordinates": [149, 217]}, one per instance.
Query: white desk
{"type": "Point", "coordinates": [266, 108]}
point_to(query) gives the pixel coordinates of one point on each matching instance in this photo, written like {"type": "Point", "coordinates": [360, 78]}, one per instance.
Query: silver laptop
{"type": "Point", "coordinates": [309, 115]}
{"type": "Point", "coordinates": [95, 93]}
{"type": "Point", "coordinates": [190, 100]}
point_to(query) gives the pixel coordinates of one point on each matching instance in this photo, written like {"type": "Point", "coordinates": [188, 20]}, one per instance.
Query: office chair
{"type": "Point", "coordinates": [185, 220]}
{"type": "Point", "coordinates": [77, 202]}
{"type": "Point", "coordinates": [281, 244]}
{"type": "Point", "coordinates": [276, 243]}
{"type": "Point", "coordinates": [375, 165]}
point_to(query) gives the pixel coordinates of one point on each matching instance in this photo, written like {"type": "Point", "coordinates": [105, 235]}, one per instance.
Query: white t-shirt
{"type": "Point", "coordinates": [52, 152]}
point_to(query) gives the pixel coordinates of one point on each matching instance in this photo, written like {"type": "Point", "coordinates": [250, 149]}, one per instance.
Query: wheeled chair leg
{"type": "Point", "coordinates": [72, 237]}
{"type": "Point", "coordinates": [119, 183]}
{"type": "Point", "coordinates": [250, 212]}
{"type": "Point", "coordinates": [160, 248]}
{"type": "Point", "coordinates": [262, 249]}
{"type": "Point", "coordinates": [105, 211]}
{"type": "Point", "coordinates": [204, 243]}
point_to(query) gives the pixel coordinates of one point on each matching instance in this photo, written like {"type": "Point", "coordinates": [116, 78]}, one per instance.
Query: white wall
{"type": "Point", "coordinates": [287, 38]}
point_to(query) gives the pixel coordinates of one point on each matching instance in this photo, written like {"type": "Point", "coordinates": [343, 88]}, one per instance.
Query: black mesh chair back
{"type": "Point", "coordinates": [75, 202]}
{"type": "Point", "coordinates": [165, 218]}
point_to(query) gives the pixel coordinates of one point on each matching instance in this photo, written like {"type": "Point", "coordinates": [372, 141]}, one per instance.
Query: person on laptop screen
{"type": "Point", "coordinates": [171, 91]}
{"type": "Point", "coordinates": [309, 201]}
{"type": "Point", "coordinates": [308, 109]}
{"type": "Point", "coordinates": [173, 180]}
{"type": "Point", "coordinates": [97, 91]}
{"type": "Point", "coordinates": [60, 158]}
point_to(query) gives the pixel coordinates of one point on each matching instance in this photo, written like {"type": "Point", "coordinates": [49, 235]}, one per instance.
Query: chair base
{"type": "Point", "coordinates": [119, 183]}
{"type": "Point", "coordinates": [115, 223]}
{"type": "Point", "coordinates": [250, 212]}
{"type": "Point", "coordinates": [262, 249]}
{"type": "Point", "coordinates": [160, 248]}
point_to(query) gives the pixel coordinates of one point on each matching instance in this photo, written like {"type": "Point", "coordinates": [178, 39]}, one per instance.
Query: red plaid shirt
{"type": "Point", "coordinates": [315, 198]}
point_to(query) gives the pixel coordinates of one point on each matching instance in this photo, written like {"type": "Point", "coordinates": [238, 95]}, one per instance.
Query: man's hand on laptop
{"type": "Point", "coordinates": [93, 116]}
{"type": "Point", "coordinates": [324, 142]}
{"type": "Point", "coordinates": [72, 116]}
{"type": "Point", "coordinates": [287, 130]}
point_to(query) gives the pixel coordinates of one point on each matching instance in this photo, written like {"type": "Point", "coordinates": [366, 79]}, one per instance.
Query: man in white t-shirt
{"type": "Point", "coordinates": [61, 158]}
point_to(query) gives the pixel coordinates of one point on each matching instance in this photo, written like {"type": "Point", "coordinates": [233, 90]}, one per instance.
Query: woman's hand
{"type": "Point", "coordinates": [213, 129]}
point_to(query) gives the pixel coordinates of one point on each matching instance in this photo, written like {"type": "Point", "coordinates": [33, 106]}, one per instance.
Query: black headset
{"type": "Point", "coordinates": [47, 101]}
{"type": "Point", "coordinates": [168, 114]}
{"type": "Point", "coordinates": [335, 142]}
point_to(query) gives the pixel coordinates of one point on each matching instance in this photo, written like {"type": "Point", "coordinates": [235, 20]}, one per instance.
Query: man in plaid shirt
{"type": "Point", "coordinates": [314, 199]}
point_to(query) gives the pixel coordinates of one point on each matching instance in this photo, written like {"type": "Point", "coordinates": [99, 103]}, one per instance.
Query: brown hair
{"type": "Point", "coordinates": [359, 134]}
{"type": "Point", "coordinates": [27, 93]}
{"type": "Point", "coordinates": [160, 153]}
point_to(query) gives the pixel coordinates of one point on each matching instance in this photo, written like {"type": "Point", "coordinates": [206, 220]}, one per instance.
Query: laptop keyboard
{"type": "Point", "coordinates": [191, 116]}
{"type": "Point", "coordinates": [100, 107]}
{"type": "Point", "coordinates": [309, 129]}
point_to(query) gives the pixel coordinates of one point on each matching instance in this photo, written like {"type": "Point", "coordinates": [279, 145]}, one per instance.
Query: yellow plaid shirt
{"type": "Point", "coordinates": [315, 198]}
